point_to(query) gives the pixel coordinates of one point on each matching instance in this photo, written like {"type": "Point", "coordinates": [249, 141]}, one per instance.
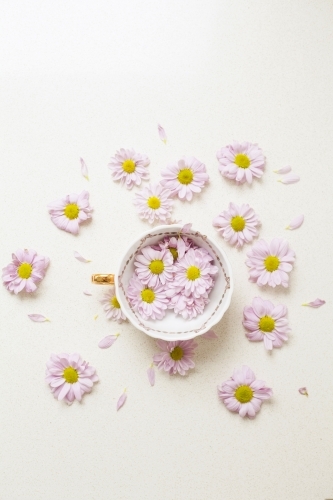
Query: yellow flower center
{"type": "Point", "coordinates": [148, 295]}
{"type": "Point", "coordinates": [243, 394]}
{"type": "Point", "coordinates": [185, 176]}
{"type": "Point", "coordinates": [154, 202]}
{"type": "Point", "coordinates": [114, 302]}
{"type": "Point", "coordinates": [24, 271]}
{"type": "Point", "coordinates": [242, 161]}
{"type": "Point", "coordinates": [72, 211]}
{"type": "Point", "coordinates": [271, 263]}
{"type": "Point", "coordinates": [156, 266]}
{"type": "Point", "coordinates": [193, 273]}
{"type": "Point", "coordinates": [70, 375]}
{"type": "Point", "coordinates": [174, 253]}
{"type": "Point", "coordinates": [266, 324]}
{"type": "Point", "coordinates": [237, 223]}
{"type": "Point", "coordinates": [177, 353]}
{"type": "Point", "coordinates": [129, 166]}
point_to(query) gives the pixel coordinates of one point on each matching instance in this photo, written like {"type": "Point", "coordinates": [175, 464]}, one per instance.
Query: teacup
{"type": "Point", "coordinates": [173, 327]}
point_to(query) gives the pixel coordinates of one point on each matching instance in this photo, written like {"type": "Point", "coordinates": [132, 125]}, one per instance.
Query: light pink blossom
{"type": "Point", "coordinates": [129, 167]}
{"type": "Point", "coordinates": [264, 321]}
{"type": "Point", "coordinates": [154, 267]}
{"type": "Point", "coordinates": [178, 246]}
{"type": "Point", "coordinates": [25, 272]}
{"type": "Point", "coordinates": [69, 377]}
{"type": "Point", "coordinates": [241, 161]}
{"type": "Point", "coordinates": [149, 302]}
{"type": "Point", "coordinates": [242, 393]}
{"type": "Point", "coordinates": [315, 303]}
{"type": "Point", "coordinates": [68, 213]}
{"type": "Point", "coordinates": [194, 273]}
{"type": "Point", "coordinates": [270, 263]}
{"type": "Point", "coordinates": [283, 170]}
{"type": "Point", "coordinates": [187, 307]}
{"type": "Point", "coordinates": [154, 202]}
{"type": "Point", "coordinates": [296, 222]}
{"type": "Point", "coordinates": [112, 307]}
{"type": "Point", "coordinates": [238, 224]}
{"type": "Point", "coordinates": [184, 178]}
{"type": "Point", "coordinates": [176, 356]}
{"type": "Point", "coordinates": [108, 341]}
{"type": "Point", "coordinates": [289, 179]}
{"type": "Point", "coordinates": [121, 401]}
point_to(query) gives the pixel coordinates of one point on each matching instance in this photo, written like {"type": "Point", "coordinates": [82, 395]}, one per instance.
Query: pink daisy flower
{"type": "Point", "coordinates": [176, 356]}
{"type": "Point", "coordinates": [112, 306]}
{"type": "Point", "coordinates": [129, 167]}
{"type": "Point", "coordinates": [194, 273]}
{"type": "Point", "coordinates": [266, 322]}
{"type": "Point", "coordinates": [184, 178]}
{"type": "Point", "coordinates": [269, 263]}
{"type": "Point", "coordinates": [69, 377]}
{"type": "Point", "coordinates": [149, 302]}
{"type": "Point", "coordinates": [244, 394]}
{"type": "Point", "coordinates": [25, 271]}
{"type": "Point", "coordinates": [238, 224]}
{"type": "Point", "coordinates": [188, 307]}
{"type": "Point", "coordinates": [69, 212]}
{"type": "Point", "coordinates": [177, 246]}
{"type": "Point", "coordinates": [154, 267]}
{"type": "Point", "coordinates": [154, 203]}
{"type": "Point", "coordinates": [241, 161]}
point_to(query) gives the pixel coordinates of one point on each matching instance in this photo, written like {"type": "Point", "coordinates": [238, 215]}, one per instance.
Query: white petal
{"type": "Point", "coordinates": [296, 222]}
{"type": "Point", "coordinates": [289, 179]}
{"type": "Point", "coordinates": [284, 170]}
{"type": "Point", "coordinates": [162, 133]}
{"type": "Point", "coordinates": [84, 169]}
{"type": "Point", "coordinates": [187, 228]}
{"type": "Point", "coordinates": [151, 375]}
{"type": "Point", "coordinates": [39, 318]}
{"type": "Point", "coordinates": [315, 303]}
{"type": "Point", "coordinates": [209, 335]}
{"type": "Point", "coordinates": [121, 400]}
{"type": "Point", "coordinates": [79, 257]}
{"type": "Point", "coordinates": [86, 292]}
{"type": "Point", "coordinates": [108, 341]}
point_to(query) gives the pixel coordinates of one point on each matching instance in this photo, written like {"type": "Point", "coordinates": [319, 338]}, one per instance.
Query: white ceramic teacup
{"type": "Point", "coordinates": [173, 327]}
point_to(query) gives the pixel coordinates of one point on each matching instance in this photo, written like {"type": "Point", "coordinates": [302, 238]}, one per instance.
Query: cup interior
{"type": "Point", "coordinates": [173, 327]}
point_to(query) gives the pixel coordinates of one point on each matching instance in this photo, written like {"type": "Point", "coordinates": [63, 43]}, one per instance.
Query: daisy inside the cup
{"type": "Point", "coordinates": [174, 275]}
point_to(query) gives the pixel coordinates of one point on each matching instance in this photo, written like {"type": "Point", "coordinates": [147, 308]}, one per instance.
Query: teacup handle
{"type": "Point", "coordinates": [102, 279]}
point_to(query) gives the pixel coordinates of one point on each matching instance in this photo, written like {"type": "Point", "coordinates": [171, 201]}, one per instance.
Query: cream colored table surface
{"type": "Point", "coordinates": [84, 78]}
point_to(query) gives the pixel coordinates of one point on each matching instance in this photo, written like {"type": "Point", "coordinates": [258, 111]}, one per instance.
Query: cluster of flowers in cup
{"type": "Point", "coordinates": [173, 274]}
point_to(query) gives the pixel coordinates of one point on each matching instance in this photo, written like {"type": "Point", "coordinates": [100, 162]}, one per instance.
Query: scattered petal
{"type": "Point", "coordinates": [296, 222]}
{"type": "Point", "coordinates": [162, 133]}
{"type": "Point", "coordinates": [86, 292]}
{"type": "Point", "coordinates": [96, 316]}
{"type": "Point", "coordinates": [39, 318]}
{"type": "Point", "coordinates": [108, 341]}
{"type": "Point", "coordinates": [79, 257]}
{"type": "Point", "coordinates": [315, 303]}
{"type": "Point", "coordinates": [151, 375]}
{"type": "Point", "coordinates": [84, 169]}
{"type": "Point", "coordinates": [284, 170]}
{"type": "Point", "coordinates": [186, 229]}
{"type": "Point", "coordinates": [289, 179]}
{"type": "Point", "coordinates": [209, 335]}
{"type": "Point", "coordinates": [121, 400]}
{"type": "Point", "coordinates": [303, 391]}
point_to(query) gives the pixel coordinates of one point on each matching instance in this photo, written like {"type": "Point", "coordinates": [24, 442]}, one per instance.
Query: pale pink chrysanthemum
{"type": "Point", "coordinates": [176, 356]}
{"type": "Point", "coordinates": [69, 377]}
{"type": "Point", "coordinates": [150, 302]}
{"type": "Point", "coordinates": [26, 270]}
{"type": "Point", "coordinates": [154, 203]}
{"type": "Point", "coordinates": [266, 322]}
{"type": "Point", "coordinates": [154, 267]}
{"type": "Point", "coordinates": [241, 161]}
{"type": "Point", "coordinates": [269, 263]}
{"type": "Point", "coordinates": [112, 306]}
{"type": "Point", "coordinates": [129, 167]}
{"type": "Point", "coordinates": [178, 246]}
{"type": "Point", "coordinates": [186, 177]}
{"type": "Point", "coordinates": [238, 224]}
{"type": "Point", "coordinates": [188, 307]}
{"type": "Point", "coordinates": [194, 273]}
{"type": "Point", "coordinates": [69, 212]}
{"type": "Point", "coordinates": [244, 394]}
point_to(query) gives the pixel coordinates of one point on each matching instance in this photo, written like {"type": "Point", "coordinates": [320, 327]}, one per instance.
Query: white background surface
{"type": "Point", "coordinates": [83, 78]}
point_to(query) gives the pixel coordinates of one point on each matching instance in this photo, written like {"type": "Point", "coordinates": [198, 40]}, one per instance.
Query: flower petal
{"type": "Point", "coordinates": [84, 169]}
{"type": "Point", "coordinates": [296, 222]}
{"type": "Point", "coordinates": [186, 229]}
{"type": "Point", "coordinates": [38, 318]}
{"type": "Point", "coordinates": [79, 257]}
{"type": "Point", "coordinates": [209, 335]}
{"type": "Point", "coordinates": [86, 292]}
{"type": "Point", "coordinates": [315, 303]}
{"type": "Point", "coordinates": [162, 133]}
{"type": "Point", "coordinates": [283, 170]}
{"type": "Point", "coordinates": [289, 179]}
{"type": "Point", "coordinates": [303, 391]}
{"type": "Point", "coordinates": [108, 341]}
{"type": "Point", "coordinates": [121, 400]}
{"type": "Point", "coordinates": [151, 375]}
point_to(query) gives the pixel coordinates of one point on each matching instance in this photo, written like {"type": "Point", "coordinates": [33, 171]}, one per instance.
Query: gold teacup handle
{"type": "Point", "coordinates": [102, 279]}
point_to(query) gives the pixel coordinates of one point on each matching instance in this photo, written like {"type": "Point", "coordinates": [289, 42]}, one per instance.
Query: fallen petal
{"type": "Point", "coordinates": [84, 169]}
{"type": "Point", "coordinates": [121, 400]}
{"type": "Point", "coordinates": [284, 170]}
{"type": "Point", "coordinates": [187, 228]}
{"type": "Point", "coordinates": [79, 257]}
{"type": "Point", "coordinates": [39, 318]}
{"type": "Point", "coordinates": [86, 292]}
{"type": "Point", "coordinates": [151, 375]}
{"type": "Point", "coordinates": [162, 133]}
{"type": "Point", "coordinates": [108, 341]}
{"type": "Point", "coordinates": [296, 222]}
{"type": "Point", "coordinates": [315, 303]}
{"type": "Point", "coordinates": [289, 179]}
{"type": "Point", "coordinates": [303, 391]}
{"type": "Point", "coordinates": [209, 335]}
